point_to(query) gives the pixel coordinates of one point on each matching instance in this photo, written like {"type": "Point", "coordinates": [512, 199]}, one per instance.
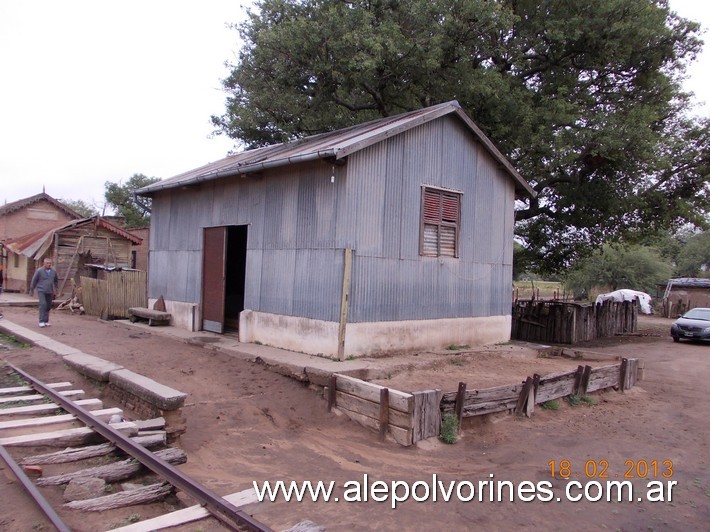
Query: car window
{"type": "Point", "coordinates": [698, 314]}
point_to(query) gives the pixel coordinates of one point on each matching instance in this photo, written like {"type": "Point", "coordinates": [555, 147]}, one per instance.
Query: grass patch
{"type": "Point", "coordinates": [449, 429]}
{"type": "Point", "coordinates": [11, 341]}
{"type": "Point", "coordinates": [551, 405]}
{"type": "Point", "coordinates": [454, 347]}
{"type": "Point", "coordinates": [456, 362]}
{"type": "Point", "coordinates": [576, 400]}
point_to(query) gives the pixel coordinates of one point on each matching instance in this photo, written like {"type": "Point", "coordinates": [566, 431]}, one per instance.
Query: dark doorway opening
{"type": "Point", "coordinates": [235, 280]}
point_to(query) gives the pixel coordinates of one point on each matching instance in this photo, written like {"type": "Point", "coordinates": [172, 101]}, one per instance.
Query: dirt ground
{"type": "Point", "coordinates": [245, 424]}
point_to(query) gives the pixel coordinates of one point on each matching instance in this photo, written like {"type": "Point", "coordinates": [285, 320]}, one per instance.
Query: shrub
{"type": "Point", "coordinates": [449, 428]}
{"type": "Point", "coordinates": [550, 405]}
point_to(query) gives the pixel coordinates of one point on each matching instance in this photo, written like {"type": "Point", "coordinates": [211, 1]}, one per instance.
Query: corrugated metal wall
{"type": "Point", "coordinates": [293, 265]}
{"type": "Point", "coordinates": [300, 221]}
{"type": "Point", "coordinates": [391, 281]}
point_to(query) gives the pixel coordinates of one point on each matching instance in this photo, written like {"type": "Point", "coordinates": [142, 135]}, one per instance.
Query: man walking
{"type": "Point", "coordinates": [46, 282]}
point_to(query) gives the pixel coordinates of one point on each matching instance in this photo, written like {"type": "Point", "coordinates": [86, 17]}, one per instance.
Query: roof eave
{"type": "Point", "coordinates": [239, 170]}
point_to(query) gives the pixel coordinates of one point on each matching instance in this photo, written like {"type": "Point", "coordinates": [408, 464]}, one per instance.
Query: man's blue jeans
{"type": "Point", "coordinates": [45, 303]}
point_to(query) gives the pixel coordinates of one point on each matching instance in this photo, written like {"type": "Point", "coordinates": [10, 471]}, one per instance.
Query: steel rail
{"type": "Point", "coordinates": [222, 509]}
{"type": "Point", "coordinates": [34, 492]}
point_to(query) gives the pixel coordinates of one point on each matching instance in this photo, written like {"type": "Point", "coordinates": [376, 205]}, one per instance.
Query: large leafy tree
{"type": "Point", "coordinates": [636, 267]}
{"type": "Point", "coordinates": [694, 257]}
{"type": "Point", "coordinates": [583, 96]}
{"type": "Point", "coordinates": [80, 207]}
{"type": "Point", "coordinates": [135, 209]}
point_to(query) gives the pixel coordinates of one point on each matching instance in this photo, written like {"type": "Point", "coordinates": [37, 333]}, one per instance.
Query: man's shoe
{"type": "Point", "coordinates": [42, 324]}
{"type": "Point", "coordinates": [46, 324]}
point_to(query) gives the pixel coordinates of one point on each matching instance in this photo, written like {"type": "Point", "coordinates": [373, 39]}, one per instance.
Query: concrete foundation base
{"type": "Point", "coordinates": [184, 315]}
{"type": "Point", "coordinates": [361, 339]}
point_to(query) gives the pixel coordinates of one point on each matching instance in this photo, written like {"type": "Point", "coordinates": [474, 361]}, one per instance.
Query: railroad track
{"type": "Point", "coordinates": [19, 412]}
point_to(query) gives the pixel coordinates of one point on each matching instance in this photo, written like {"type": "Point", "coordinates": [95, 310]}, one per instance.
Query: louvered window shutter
{"type": "Point", "coordinates": [440, 223]}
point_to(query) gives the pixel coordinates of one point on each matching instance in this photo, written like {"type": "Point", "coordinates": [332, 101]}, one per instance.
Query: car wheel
{"type": "Point", "coordinates": [676, 339]}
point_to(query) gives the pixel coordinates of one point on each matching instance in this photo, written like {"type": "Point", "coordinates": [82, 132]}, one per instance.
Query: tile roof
{"type": "Point", "coordinates": [9, 208]}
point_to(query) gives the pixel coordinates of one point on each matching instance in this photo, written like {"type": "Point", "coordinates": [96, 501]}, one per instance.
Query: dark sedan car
{"type": "Point", "coordinates": [693, 325]}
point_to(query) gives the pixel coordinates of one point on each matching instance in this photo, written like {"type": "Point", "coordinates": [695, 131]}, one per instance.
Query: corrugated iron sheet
{"type": "Point", "coordinates": [336, 144]}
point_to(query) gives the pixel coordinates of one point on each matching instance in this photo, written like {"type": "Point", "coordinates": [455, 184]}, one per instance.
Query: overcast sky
{"type": "Point", "coordinates": [97, 90]}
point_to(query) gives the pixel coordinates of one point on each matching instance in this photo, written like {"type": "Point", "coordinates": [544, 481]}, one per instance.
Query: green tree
{"type": "Point", "coordinates": [80, 207]}
{"type": "Point", "coordinates": [694, 257]}
{"type": "Point", "coordinates": [583, 97]}
{"type": "Point", "coordinates": [135, 209]}
{"type": "Point", "coordinates": [635, 267]}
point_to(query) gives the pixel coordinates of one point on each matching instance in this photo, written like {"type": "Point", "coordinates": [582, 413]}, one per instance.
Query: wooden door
{"type": "Point", "coordinates": [214, 262]}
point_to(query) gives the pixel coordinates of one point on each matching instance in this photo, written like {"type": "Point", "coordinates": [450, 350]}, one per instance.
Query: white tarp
{"type": "Point", "coordinates": [628, 295]}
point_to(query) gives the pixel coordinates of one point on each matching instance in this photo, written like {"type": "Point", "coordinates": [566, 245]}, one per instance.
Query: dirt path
{"type": "Point", "coordinates": [246, 424]}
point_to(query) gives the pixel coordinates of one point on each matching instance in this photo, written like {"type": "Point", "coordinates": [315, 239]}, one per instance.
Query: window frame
{"type": "Point", "coordinates": [440, 221]}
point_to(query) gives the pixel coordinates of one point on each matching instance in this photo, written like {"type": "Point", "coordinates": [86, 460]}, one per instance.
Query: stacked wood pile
{"type": "Point", "coordinates": [408, 418]}
{"type": "Point", "coordinates": [569, 323]}
{"type": "Point", "coordinates": [523, 397]}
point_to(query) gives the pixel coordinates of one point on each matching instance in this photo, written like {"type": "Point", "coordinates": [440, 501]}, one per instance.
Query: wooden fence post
{"type": "Point", "coordinates": [623, 369]}
{"type": "Point", "coordinates": [524, 397]}
{"type": "Point", "coordinates": [332, 383]}
{"type": "Point", "coordinates": [384, 412]}
{"type": "Point", "coordinates": [584, 384]}
{"type": "Point", "coordinates": [460, 399]}
{"type": "Point", "coordinates": [536, 384]}
{"type": "Point", "coordinates": [426, 414]}
{"type": "Point", "coordinates": [578, 379]}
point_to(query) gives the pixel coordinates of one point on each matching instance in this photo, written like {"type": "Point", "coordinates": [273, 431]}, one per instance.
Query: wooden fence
{"type": "Point", "coordinates": [408, 417]}
{"type": "Point", "coordinates": [523, 397]}
{"type": "Point", "coordinates": [569, 323]}
{"type": "Point", "coordinates": [113, 296]}
{"type": "Point", "coordinates": [412, 417]}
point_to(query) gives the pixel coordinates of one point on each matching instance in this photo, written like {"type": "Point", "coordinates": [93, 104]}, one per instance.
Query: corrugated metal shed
{"type": "Point", "coordinates": [336, 145]}
{"type": "Point", "coordinates": [690, 282]}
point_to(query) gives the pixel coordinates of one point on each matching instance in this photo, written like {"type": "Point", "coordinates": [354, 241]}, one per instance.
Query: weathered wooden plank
{"type": "Point", "coordinates": [486, 394]}
{"type": "Point", "coordinates": [75, 454]}
{"type": "Point", "coordinates": [460, 401]}
{"type": "Point", "coordinates": [384, 412]}
{"type": "Point", "coordinates": [601, 383]}
{"type": "Point", "coordinates": [426, 414]}
{"type": "Point", "coordinates": [584, 383]}
{"type": "Point", "coordinates": [603, 377]}
{"type": "Point", "coordinates": [24, 389]}
{"type": "Point", "coordinates": [332, 388]}
{"type": "Point", "coordinates": [103, 415]}
{"type": "Point", "coordinates": [554, 389]}
{"type": "Point", "coordinates": [66, 437]}
{"type": "Point", "coordinates": [188, 515]}
{"type": "Point", "coordinates": [480, 409]}
{"type": "Point", "coordinates": [372, 410]}
{"type": "Point", "coordinates": [398, 400]}
{"type": "Point", "coordinates": [38, 397]}
{"type": "Point", "coordinates": [623, 369]}
{"type": "Point", "coordinates": [87, 404]}
{"type": "Point", "coordinates": [400, 435]}
{"type": "Point", "coordinates": [523, 396]}
{"type": "Point", "coordinates": [142, 495]}
{"type": "Point", "coordinates": [116, 471]}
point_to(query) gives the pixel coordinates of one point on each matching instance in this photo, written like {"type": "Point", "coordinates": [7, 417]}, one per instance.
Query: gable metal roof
{"type": "Point", "coordinates": [338, 145]}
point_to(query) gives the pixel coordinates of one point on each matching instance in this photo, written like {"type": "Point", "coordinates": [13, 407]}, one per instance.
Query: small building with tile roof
{"type": "Point", "coordinates": [70, 246]}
